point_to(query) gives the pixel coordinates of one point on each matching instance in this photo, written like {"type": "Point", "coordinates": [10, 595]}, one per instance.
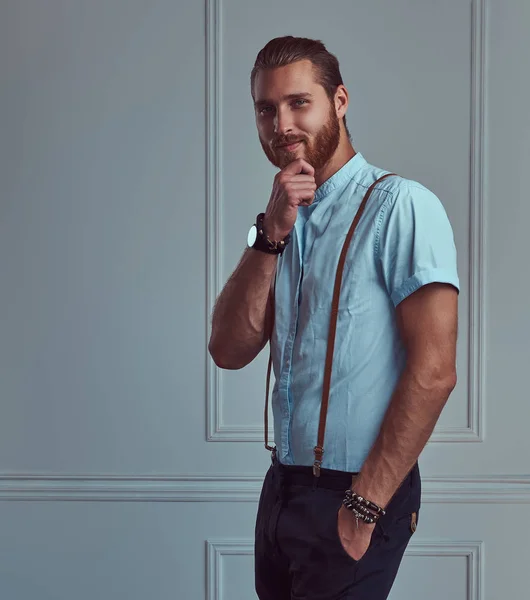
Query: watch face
{"type": "Point", "coordinates": [252, 236]}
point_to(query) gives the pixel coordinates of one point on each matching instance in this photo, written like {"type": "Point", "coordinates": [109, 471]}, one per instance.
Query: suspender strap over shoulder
{"type": "Point", "coordinates": [319, 448]}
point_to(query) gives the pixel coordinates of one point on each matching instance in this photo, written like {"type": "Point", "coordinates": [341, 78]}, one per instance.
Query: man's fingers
{"type": "Point", "coordinates": [301, 185]}
{"type": "Point", "coordinates": [301, 179]}
{"type": "Point", "coordinates": [288, 178]}
{"type": "Point", "coordinates": [299, 166]}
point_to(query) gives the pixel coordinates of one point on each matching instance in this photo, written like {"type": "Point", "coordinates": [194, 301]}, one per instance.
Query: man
{"type": "Point", "coordinates": [335, 523]}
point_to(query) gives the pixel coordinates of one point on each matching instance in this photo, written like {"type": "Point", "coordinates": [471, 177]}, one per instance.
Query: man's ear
{"type": "Point", "coordinates": [341, 101]}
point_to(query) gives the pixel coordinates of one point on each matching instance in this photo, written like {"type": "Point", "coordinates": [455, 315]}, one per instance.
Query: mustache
{"type": "Point", "coordinates": [285, 141]}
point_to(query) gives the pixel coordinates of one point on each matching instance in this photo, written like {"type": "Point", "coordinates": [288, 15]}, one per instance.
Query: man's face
{"type": "Point", "coordinates": [294, 116]}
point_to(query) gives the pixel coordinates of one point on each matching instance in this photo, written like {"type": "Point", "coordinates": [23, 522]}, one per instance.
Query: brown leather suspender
{"type": "Point", "coordinates": [319, 448]}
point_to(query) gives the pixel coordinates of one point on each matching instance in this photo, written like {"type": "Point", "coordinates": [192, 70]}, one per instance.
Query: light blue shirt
{"type": "Point", "coordinates": [403, 242]}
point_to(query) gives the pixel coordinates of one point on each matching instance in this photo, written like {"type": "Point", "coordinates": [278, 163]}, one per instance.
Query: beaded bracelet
{"type": "Point", "coordinates": [360, 511]}
{"type": "Point", "coordinates": [360, 516]}
{"type": "Point", "coordinates": [363, 510]}
{"type": "Point", "coordinates": [352, 496]}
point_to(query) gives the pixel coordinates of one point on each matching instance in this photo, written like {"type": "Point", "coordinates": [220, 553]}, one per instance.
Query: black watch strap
{"type": "Point", "coordinates": [264, 244]}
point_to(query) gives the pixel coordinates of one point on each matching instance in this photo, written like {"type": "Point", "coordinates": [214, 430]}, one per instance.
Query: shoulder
{"type": "Point", "coordinates": [393, 190]}
{"type": "Point", "coordinates": [400, 198]}
{"type": "Point", "coordinates": [397, 202]}
{"type": "Point", "coordinates": [400, 192]}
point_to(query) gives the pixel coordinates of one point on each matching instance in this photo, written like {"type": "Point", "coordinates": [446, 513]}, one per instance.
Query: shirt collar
{"type": "Point", "coordinates": [342, 176]}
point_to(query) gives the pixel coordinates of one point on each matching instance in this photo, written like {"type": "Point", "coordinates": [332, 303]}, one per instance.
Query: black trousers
{"type": "Point", "coordinates": [298, 553]}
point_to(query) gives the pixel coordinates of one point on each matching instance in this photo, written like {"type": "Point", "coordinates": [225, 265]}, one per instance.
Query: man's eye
{"type": "Point", "coordinates": [265, 110]}
{"type": "Point", "coordinates": [300, 102]}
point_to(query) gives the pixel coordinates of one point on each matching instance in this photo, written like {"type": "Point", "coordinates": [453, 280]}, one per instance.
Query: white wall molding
{"type": "Point", "coordinates": [244, 488]}
{"type": "Point", "coordinates": [214, 250]}
{"type": "Point", "coordinates": [473, 431]}
{"type": "Point", "coordinates": [477, 259]}
{"type": "Point", "coordinates": [471, 552]}
{"type": "Point", "coordinates": [215, 551]}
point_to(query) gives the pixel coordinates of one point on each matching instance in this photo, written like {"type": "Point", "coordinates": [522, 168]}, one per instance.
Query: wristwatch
{"type": "Point", "coordinates": [257, 239]}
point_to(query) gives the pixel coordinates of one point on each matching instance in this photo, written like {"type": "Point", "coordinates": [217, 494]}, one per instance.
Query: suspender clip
{"type": "Point", "coordinates": [319, 451]}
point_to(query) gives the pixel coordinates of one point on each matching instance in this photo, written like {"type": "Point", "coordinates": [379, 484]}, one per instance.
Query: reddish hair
{"type": "Point", "coordinates": [286, 50]}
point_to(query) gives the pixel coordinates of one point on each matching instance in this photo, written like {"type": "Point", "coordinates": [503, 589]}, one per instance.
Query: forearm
{"type": "Point", "coordinates": [241, 317]}
{"type": "Point", "coordinates": [407, 426]}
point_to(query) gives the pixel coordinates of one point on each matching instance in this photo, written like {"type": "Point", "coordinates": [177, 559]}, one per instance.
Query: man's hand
{"type": "Point", "coordinates": [354, 541]}
{"type": "Point", "coordinates": [293, 186]}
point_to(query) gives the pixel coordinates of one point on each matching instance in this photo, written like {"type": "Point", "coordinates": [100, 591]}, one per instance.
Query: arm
{"type": "Point", "coordinates": [427, 321]}
{"type": "Point", "coordinates": [417, 257]}
{"type": "Point", "coordinates": [242, 317]}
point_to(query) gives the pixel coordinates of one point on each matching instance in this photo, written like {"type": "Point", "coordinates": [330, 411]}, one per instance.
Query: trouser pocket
{"type": "Point", "coordinates": [325, 513]}
{"type": "Point", "coordinates": [374, 539]}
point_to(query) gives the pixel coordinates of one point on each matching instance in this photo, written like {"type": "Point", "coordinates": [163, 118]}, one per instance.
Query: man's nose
{"type": "Point", "coordinates": [282, 122]}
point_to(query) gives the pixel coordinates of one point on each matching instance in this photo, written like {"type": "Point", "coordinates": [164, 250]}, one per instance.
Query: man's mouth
{"type": "Point", "coordinates": [289, 147]}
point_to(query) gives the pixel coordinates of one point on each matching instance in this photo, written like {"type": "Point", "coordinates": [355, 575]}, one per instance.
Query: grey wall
{"type": "Point", "coordinates": [130, 172]}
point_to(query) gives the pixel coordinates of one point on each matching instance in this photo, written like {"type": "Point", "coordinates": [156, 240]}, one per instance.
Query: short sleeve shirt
{"type": "Point", "coordinates": [403, 241]}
